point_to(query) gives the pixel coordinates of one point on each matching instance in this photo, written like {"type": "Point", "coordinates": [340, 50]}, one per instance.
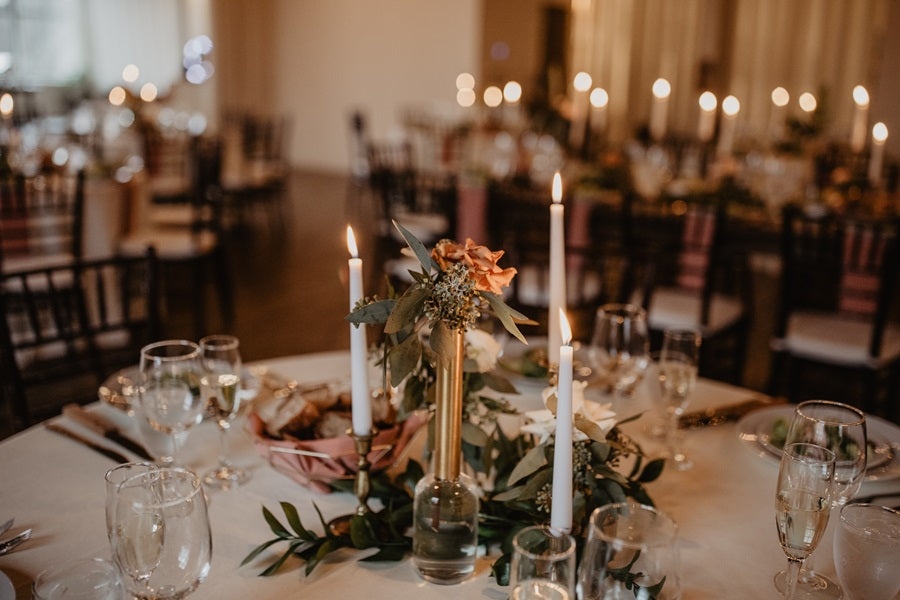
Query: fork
{"type": "Point", "coordinates": [14, 541]}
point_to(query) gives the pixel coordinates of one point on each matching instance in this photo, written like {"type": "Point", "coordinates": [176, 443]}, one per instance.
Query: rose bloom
{"type": "Point", "coordinates": [482, 263]}
{"type": "Point", "coordinates": [482, 348]}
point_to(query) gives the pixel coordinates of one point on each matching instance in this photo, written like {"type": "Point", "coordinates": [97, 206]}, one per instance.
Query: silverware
{"type": "Point", "coordinates": [111, 454]}
{"type": "Point", "coordinates": [14, 541]}
{"type": "Point", "coordinates": [5, 527]}
{"type": "Point", "coordinates": [723, 414]}
{"type": "Point", "coordinates": [103, 426]}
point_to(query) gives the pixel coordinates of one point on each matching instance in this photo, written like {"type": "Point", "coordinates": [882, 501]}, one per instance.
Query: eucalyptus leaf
{"type": "Point", "coordinates": [275, 525]}
{"type": "Point", "coordinates": [531, 462]}
{"type": "Point", "coordinates": [589, 428]}
{"type": "Point", "coordinates": [404, 357]}
{"type": "Point", "coordinates": [407, 309]}
{"type": "Point", "coordinates": [537, 481]}
{"type": "Point", "coordinates": [474, 435]}
{"type": "Point", "coordinates": [374, 313]}
{"type": "Point", "coordinates": [510, 494]}
{"type": "Point", "coordinates": [422, 254]}
{"type": "Point", "coordinates": [652, 471]}
{"type": "Point", "coordinates": [499, 384]}
{"type": "Point", "coordinates": [287, 554]}
{"type": "Point", "coordinates": [294, 521]}
{"type": "Point", "coordinates": [505, 314]}
{"type": "Point", "coordinates": [255, 552]}
{"type": "Point", "coordinates": [362, 534]}
{"type": "Point", "coordinates": [442, 342]}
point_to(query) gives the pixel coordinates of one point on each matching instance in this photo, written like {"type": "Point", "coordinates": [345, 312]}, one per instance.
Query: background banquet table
{"type": "Point", "coordinates": [724, 508]}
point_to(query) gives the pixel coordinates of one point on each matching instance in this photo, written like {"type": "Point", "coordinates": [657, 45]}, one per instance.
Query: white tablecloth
{"type": "Point", "coordinates": [724, 508]}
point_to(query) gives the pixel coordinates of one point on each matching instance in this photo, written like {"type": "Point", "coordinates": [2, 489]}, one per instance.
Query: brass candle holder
{"type": "Point", "coordinates": [362, 484]}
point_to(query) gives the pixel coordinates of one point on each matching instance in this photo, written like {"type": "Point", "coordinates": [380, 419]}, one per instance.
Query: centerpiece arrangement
{"type": "Point", "coordinates": [434, 351]}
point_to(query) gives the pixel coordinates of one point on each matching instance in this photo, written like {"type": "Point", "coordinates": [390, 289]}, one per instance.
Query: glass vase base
{"type": "Point", "coordinates": [225, 477]}
{"type": "Point", "coordinates": [444, 572]}
{"type": "Point", "coordinates": [811, 586]}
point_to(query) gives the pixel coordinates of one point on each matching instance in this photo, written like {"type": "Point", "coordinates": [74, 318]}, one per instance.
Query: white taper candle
{"type": "Point", "coordinates": [557, 270]}
{"type": "Point", "coordinates": [561, 505]}
{"type": "Point", "coordinates": [360, 402]}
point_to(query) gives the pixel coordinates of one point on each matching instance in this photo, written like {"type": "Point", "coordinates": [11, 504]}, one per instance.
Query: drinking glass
{"type": "Point", "coordinates": [79, 579]}
{"type": "Point", "coordinates": [631, 552]}
{"type": "Point", "coordinates": [842, 429]}
{"type": "Point", "coordinates": [678, 360]}
{"type": "Point", "coordinates": [161, 539]}
{"type": "Point", "coordinates": [620, 348]}
{"type": "Point", "coordinates": [170, 389]}
{"type": "Point", "coordinates": [114, 478]}
{"type": "Point", "coordinates": [802, 504]}
{"type": "Point", "coordinates": [543, 565]}
{"type": "Point", "coordinates": [867, 551]}
{"type": "Point", "coordinates": [221, 383]}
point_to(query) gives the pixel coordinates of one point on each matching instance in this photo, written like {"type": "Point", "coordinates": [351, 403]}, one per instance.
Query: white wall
{"type": "Point", "coordinates": [318, 60]}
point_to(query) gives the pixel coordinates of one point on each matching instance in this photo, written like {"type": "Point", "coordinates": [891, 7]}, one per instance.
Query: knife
{"type": "Point", "coordinates": [723, 414]}
{"type": "Point", "coordinates": [103, 426]}
{"type": "Point", "coordinates": [111, 454]}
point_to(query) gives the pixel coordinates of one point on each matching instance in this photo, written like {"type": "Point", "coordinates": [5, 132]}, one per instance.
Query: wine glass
{"type": "Point", "coordinates": [631, 552]}
{"type": "Point", "coordinates": [842, 429]}
{"type": "Point", "coordinates": [620, 348]}
{"type": "Point", "coordinates": [802, 504]}
{"type": "Point", "coordinates": [866, 549]}
{"type": "Point", "coordinates": [170, 389]}
{"type": "Point", "coordinates": [114, 478]}
{"type": "Point", "coordinates": [221, 382]}
{"type": "Point", "coordinates": [543, 565]}
{"type": "Point", "coordinates": [678, 362]}
{"type": "Point", "coordinates": [161, 538]}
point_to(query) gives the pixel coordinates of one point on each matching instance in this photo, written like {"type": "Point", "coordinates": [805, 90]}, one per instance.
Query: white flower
{"type": "Point", "coordinates": [543, 422]}
{"type": "Point", "coordinates": [482, 348]}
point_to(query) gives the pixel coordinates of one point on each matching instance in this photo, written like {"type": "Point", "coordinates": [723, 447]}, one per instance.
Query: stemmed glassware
{"type": "Point", "coordinates": [620, 348]}
{"type": "Point", "coordinates": [866, 547]}
{"type": "Point", "coordinates": [170, 389]}
{"type": "Point", "coordinates": [221, 382]}
{"type": "Point", "coordinates": [802, 504]}
{"type": "Point", "coordinates": [841, 429]}
{"type": "Point", "coordinates": [161, 538]}
{"type": "Point", "coordinates": [678, 362]}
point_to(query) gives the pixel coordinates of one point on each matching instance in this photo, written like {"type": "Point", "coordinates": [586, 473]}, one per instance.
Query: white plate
{"type": "Point", "coordinates": [7, 592]}
{"type": "Point", "coordinates": [755, 429]}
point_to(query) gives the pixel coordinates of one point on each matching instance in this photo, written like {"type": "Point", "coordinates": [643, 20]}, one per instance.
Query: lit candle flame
{"type": "Point", "coordinates": [564, 329]}
{"type": "Point", "coordinates": [780, 97]}
{"type": "Point", "coordinates": [6, 104]}
{"type": "Point", "coordinates": [731, 106]}
{"type": "Point", "coordinates": [807, 102]}
{"type": "Point", "coordinates": [879, 133]}
{"type": "Point", "coordinates": [860, 96]}
{"type": "Point", "coordinates": [661, 88]}
{"type": "Point", "coordinates": [582, 81]}
{"type": "Point", "coordinates": [708, 101]}
{"type": "Point", "coordinates": [557, 188]}
{"type": "Point", "coordinates": [599, 98]}
{"type": "Point", "coordinates": [351, 243]}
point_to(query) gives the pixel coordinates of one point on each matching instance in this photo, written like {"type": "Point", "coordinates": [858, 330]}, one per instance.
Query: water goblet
{"type": "Point", "coordinates": [161, 538]}
{"type": "Point", "coordinates": [79, 579]}
{"type": "Point", "coordinates": [678, 360]}
{"type": "Point", "coordinates": [620, 349]}
{"type": "Point", "coordinates": [631, 552]}
{"type": "Point", "coordinates": [867, 551]}
{"type": "Point", "coordinates": [221, 383]}
{"type": "Point", "coordinates": [114, 478]}
{"type": "Point", "coordinates": [802, 504]}
{"type": "Point", "coordinates": [842, 429]}
{"type": "Point", "coordinates": [543, 565]}
{"type": "Point", "coordinates": [170, 388]}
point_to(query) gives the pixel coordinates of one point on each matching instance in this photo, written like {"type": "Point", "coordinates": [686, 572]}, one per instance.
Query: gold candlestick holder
{"type": "Point", "coordinates": [362, 484]}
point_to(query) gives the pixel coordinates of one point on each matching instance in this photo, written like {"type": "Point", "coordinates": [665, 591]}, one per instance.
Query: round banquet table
{"type": "Point", "coordinates": [724, 508]}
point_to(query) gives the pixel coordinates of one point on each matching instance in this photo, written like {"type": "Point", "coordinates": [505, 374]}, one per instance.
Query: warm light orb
{"type": "Point", "coordinates": [807, 102]}
{"type": "Point", "coordinates": [708, 101]}
{"type": "Point", "coordinates": [582, 81]}
{"type": "Point", "coordinates": [780, 97]}
{"type": "Point", "coordinates": [351, 243]}
{"type": "Point", "coordinates": [661, 88]}
{"type": "Point", "coordinates": [6, 104]}
{"type": "Point", "coordinates": [148, 92]}
{"type": "Point", "coordinates": [565, 329]}
{"type": "Point", "coordinates": [879, 132]}
{"type": "Point", "coordinates": [493, 96]}
{"type": "Point", "coordinates": [599, 98]}
{"type": "Point", "coordinates": [556, 191]}
{"type": "Point", "coordinates": [130, 73]}
{"type": "Point", "coordinates": [117, 95]}
{"type": "Point", "coordinates": [465, 97]}
{"type": "Point", "coordinates": [465, 81]}
{"type": "Point", "coordinates": [731, 106]}
{"type": "Point", "coordinates": [512, 91]}
{"type": "Point", "coordinates": [860, 96]}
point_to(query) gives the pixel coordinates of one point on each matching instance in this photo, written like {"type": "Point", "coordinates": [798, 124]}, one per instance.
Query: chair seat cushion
{"type": "Point", "coordinates": [838, 339]}
{"type": "Point", "coordinates": [675, 307]}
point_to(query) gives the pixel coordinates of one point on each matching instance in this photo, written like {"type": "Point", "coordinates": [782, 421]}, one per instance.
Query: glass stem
{"type": "Point", "coordinates": [224, 426]}
{"type": "Point", "coordinates": [672, 435]}
{"type": "Point", "coordinates": [793, 574]}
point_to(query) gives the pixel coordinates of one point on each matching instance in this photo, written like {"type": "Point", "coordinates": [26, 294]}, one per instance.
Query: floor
{"type": "Point", "coordinates": [289, 270]}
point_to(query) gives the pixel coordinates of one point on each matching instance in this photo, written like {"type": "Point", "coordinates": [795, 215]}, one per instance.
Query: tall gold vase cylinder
{"type": "Point", "coordinates": [445, 508]}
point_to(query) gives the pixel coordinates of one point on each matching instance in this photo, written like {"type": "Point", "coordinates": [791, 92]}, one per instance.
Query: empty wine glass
{"type": "Point", "coordinates": [114, 478]}
{"type": "Point", "coordinates": [802, 504]}
{"type": "Point", "coordinates": [161, 539]}
{"type": "Point", "coordinates": [678, 362]}
{"type": "Point", "coordinates": [867, 551]}
{"type": "Point", "coordinates": [631, 552]}
{"type": "Point", "coordinates": [221, 383]}
{"type": "Point", "coordinates": [170, 388]}
{"type": "Point", "coordinates": [842, 429]}
{"type": "Point", "coordinates": [620, 349]}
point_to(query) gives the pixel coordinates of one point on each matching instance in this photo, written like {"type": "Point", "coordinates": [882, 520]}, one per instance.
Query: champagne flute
{"type": "Point", "coordinates": [170, 389]}
{"type": "Point", "coordinates": [842, 429]}
{"type": "Point", "coordinates": [620, 349]}
{"type": "Point", "coordinates": [161, 540]}
{"type": "Point", "coordinates": [802, 504]}
{"type": "Point", "coordinates": [221, 382]}
{"type": "Point", "coordinates": [678, 362]}
{"type": "Point", "coordinates": [866, 551]}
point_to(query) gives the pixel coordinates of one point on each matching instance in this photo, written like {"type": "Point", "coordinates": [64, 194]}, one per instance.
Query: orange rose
{"type": "Point", "coordinates": [481, 261]}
